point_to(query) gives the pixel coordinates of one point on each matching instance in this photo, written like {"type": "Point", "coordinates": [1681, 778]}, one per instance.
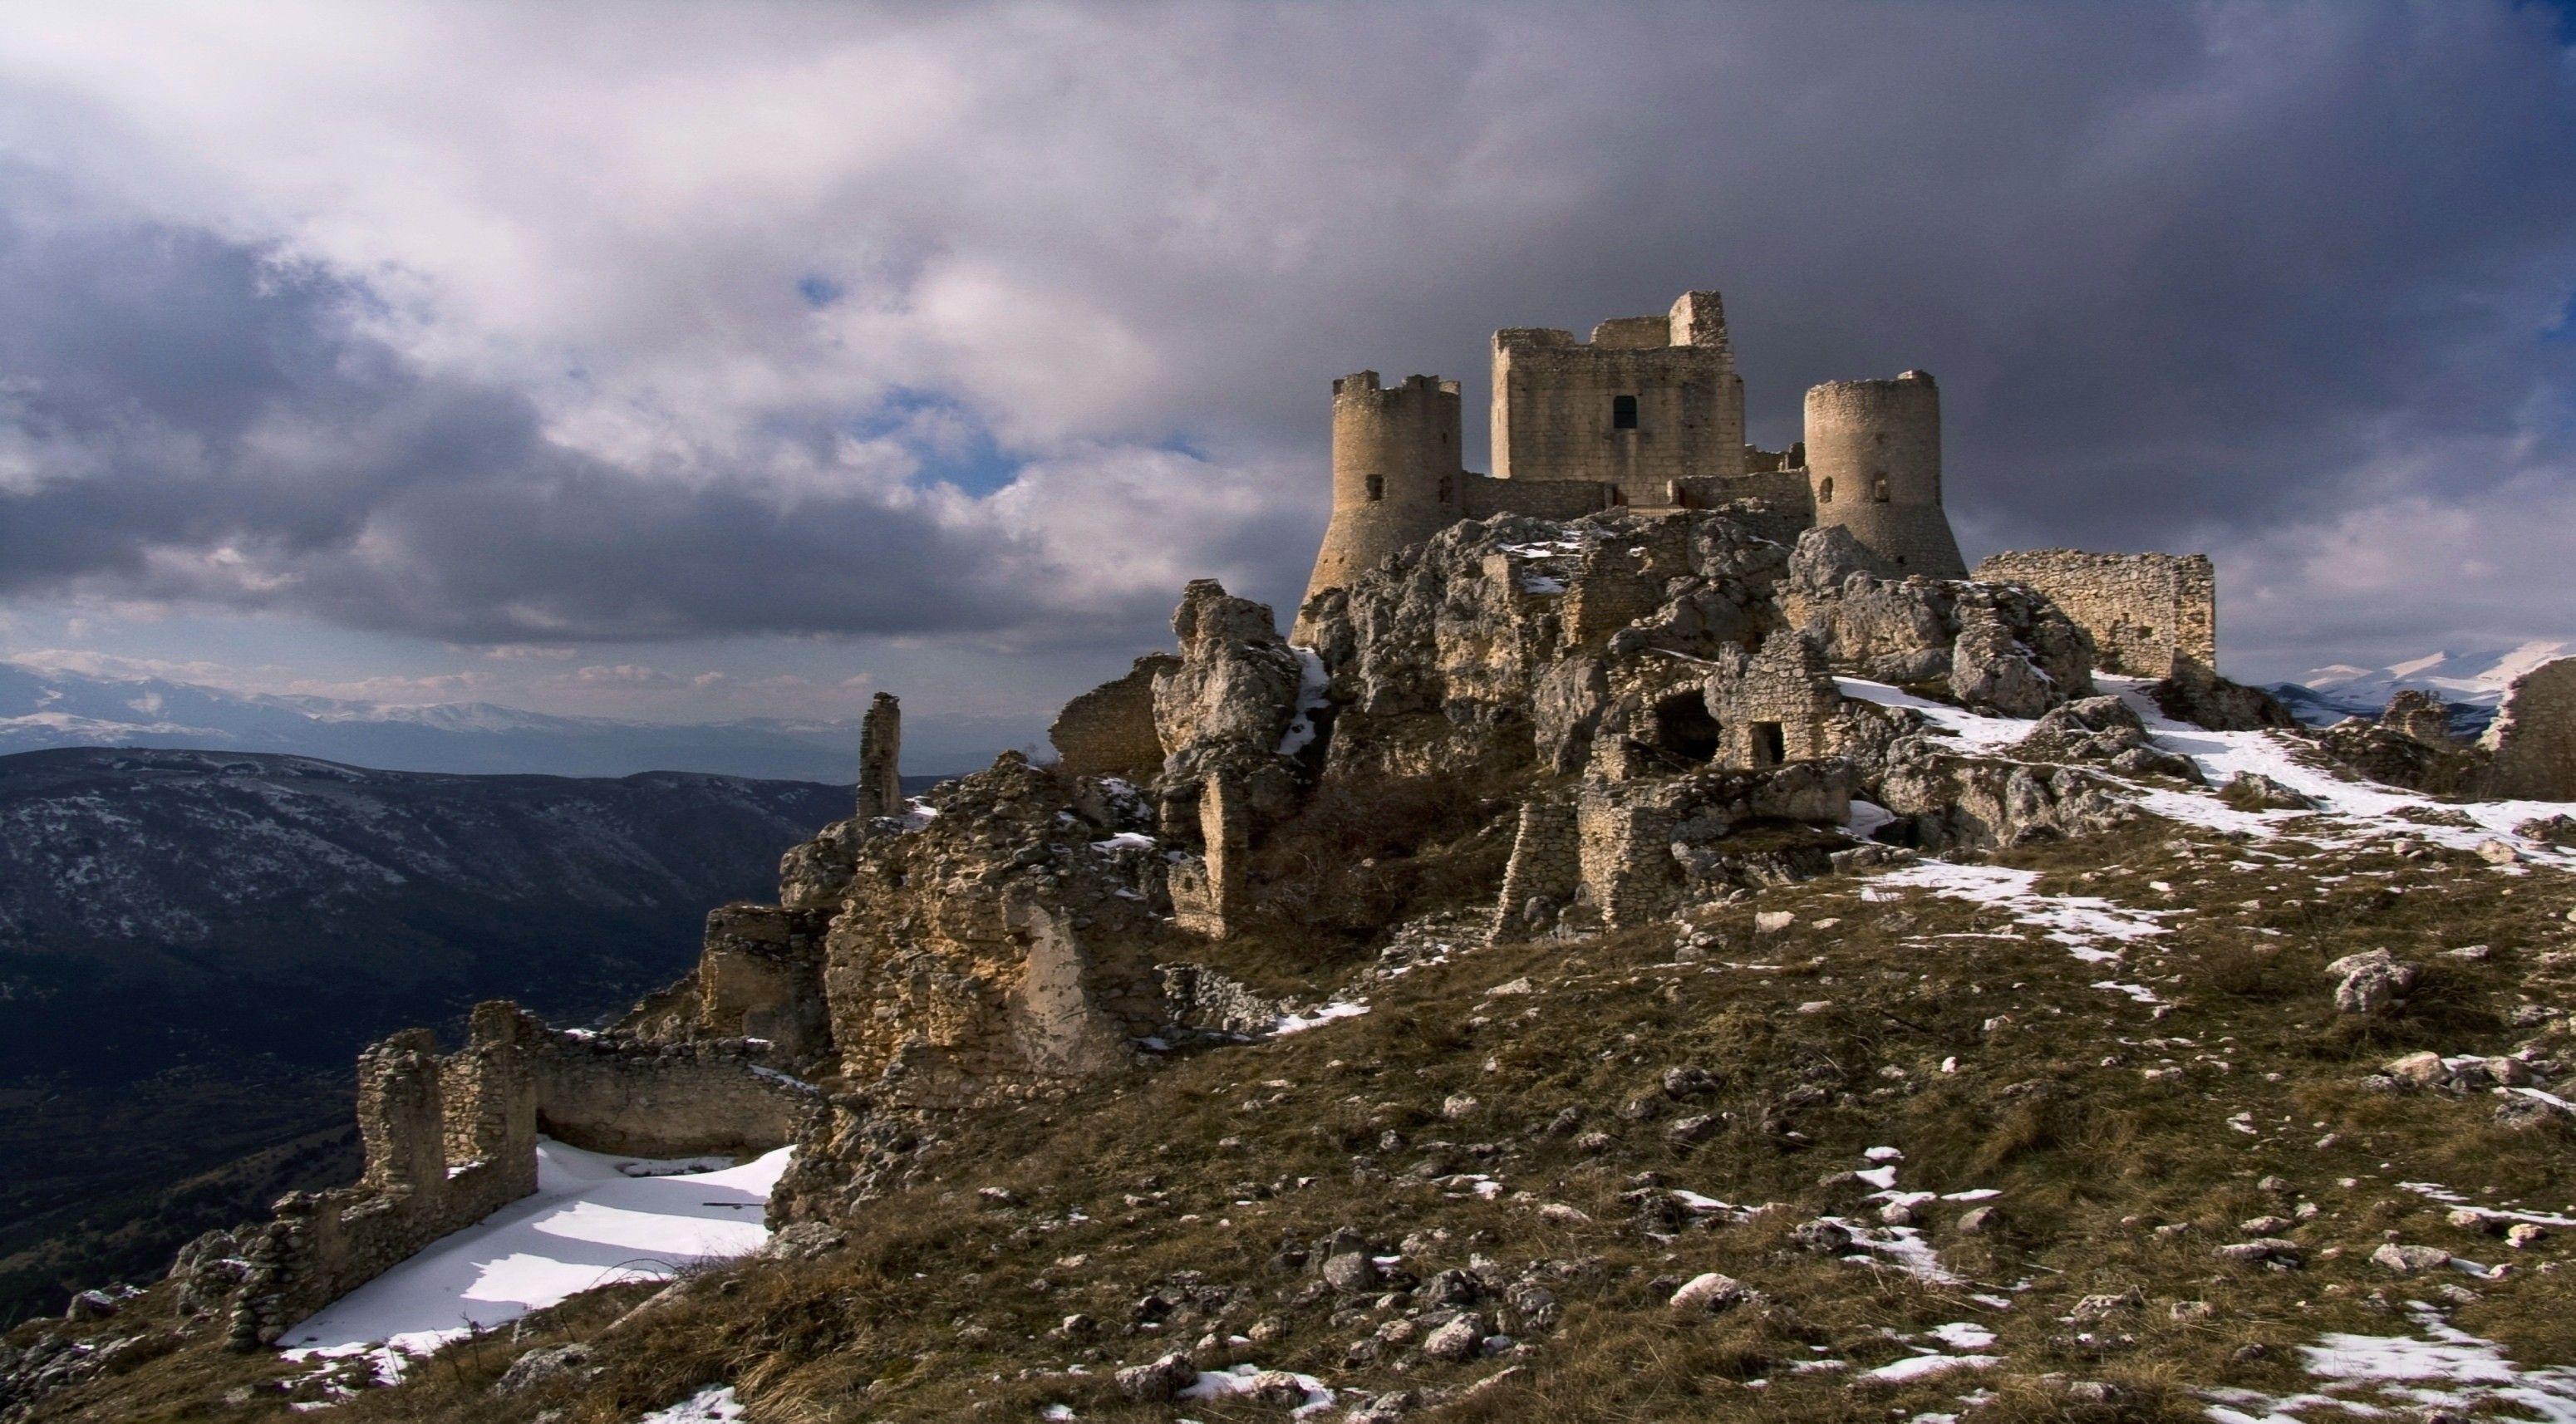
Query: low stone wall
{"type": "Point", "coordinates": [1109, 731]}
{"type": "Point", "coordinates": [451, 1140]}
{"type": "Point", "coordinates": [674, 1100]}
{"type": "Point", "coordinates": [2150, 615]}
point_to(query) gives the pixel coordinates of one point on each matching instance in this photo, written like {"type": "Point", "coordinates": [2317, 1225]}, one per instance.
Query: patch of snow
{"type": "Point", "coordinates": [1976, 732]}
{"type": "Point", "coordinates": [715, 1404]}
{"type": "Point", "coordinates": [1299, 1023]}
{"type": "Point", "coordinates": [2446, 1367]}
{"type": "Point", "coordinates": [1124, 840]}
{"type": "Point", "coordinates": [1915, 1367]}
{"type": "Point", "coordinates": [1217, 1384]}
{"type": "Point", "coordinates": [592, 1222]}
{"type": "Point", "coordinates": [2079, 922]}
{"type": "Point", "coordinates": [1866, 819]}
{"type": "Point", "coordinates": [1311, 682]}
{"type": "Point", "coordinates": [1963, 1335]}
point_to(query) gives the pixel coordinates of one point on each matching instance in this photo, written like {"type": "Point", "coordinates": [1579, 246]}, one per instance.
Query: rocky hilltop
{"type": "Point", "coordinates": [1647, 966]}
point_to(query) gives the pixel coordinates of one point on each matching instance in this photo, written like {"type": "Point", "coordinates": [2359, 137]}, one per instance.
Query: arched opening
{"type": "Point", "coordinates": [1825, 490]}
{"type": "Point", "coordinates": [1376, 488]}
{"type": "Point", "coordinates": [1683, 728]}
{"type": "Point", "coordinates": [1623, 412]}
{"type": "Point", "coordinates": [1878, 489]}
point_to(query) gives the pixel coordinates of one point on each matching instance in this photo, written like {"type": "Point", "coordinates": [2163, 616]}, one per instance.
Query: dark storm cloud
{"type": "Point", "coordinates": [2277, 280]}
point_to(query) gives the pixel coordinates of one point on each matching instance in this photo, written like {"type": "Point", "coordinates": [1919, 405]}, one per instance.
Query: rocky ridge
{"type": "Point", "coordinates": [1780, 832]}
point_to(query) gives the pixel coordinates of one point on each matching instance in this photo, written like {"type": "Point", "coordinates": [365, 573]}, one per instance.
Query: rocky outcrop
{"type": "Point", "coordinates": [1993, 646]}
{"type": "Point", "coordinates": [1003, 944]}
{"type": "Point", "coordinates": [2409, 744]}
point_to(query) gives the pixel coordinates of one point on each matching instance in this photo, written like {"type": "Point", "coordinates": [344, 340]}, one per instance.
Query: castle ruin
{"type": "Point", "coordinates": [1648, 415]}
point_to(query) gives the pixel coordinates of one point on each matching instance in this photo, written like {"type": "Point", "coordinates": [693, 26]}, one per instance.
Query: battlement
{"type": "Point", "coordinates": [1362, 385]}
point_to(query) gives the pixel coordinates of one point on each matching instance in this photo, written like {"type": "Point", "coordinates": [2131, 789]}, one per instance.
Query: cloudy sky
{"type": "Point", "coordinates": [696, 361]}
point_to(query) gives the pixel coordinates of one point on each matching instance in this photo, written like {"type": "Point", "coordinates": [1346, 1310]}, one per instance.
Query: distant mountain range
{"type": "Point", "coordinates": [2472, 683]}
{"type": "Point", "coordinates": [42, 707]}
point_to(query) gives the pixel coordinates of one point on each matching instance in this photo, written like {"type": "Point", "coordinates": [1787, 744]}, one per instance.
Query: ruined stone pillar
{"type": "Point", "coordinates": [400, 1114]}
{"type": "Point", "coordinates": [881, 759]}
{"type": "Point", "coordinates": [1207, 894]}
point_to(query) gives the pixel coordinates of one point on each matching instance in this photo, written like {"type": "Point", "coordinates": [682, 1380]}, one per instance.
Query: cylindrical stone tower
{"type": "Point", "coordinates": [1396, 474]}
{"type": "Point", "coordinates": [1874, 465]}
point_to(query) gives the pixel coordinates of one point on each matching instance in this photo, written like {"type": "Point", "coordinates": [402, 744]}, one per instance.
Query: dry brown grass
{"type": "Point", "coordinates": [944, 1306]}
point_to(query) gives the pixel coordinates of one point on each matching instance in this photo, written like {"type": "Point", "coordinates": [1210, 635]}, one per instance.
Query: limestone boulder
{"type": "Point", "coordinates": [1237, 680]}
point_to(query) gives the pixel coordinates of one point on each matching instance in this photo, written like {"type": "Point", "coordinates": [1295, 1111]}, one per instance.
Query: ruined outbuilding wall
{"type": "Point", "coordinates": [1109, 731]}
{"type": "Point", "coordinates": [2150, 615]}
{"type": "Point", "coordinates": [451, 1140]}
{"type": "Point", "coordinates": [2532, 741]}
{"type": "Point", "coordinates": [1775, 706]}
{"type": "Point", "coordinates": [1556, 402]}
{"type": "Point", "coordinates": [760, 976]}
{"type": "Point", "coordinates": [681, 1100]}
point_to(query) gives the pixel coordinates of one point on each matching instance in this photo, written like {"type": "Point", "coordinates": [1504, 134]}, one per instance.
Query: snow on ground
{"type": "Point", "coordinates": [594, 1220]}
{"type": "Point", "coordinates": [2080, 922]}
{"type": "Point", "coordinates": [1217, 1384]}
{"type": "Point", "coordinates": [2443, 1368]}
{"type": "Point", "coordinates": [2367, 808]}
{"type": "Point", "coordinates": [2356, 809]}
{"type": "Point", "coordinates": [1316, 1018]}
{"type": "Point", "coordinates": [713, 1405]}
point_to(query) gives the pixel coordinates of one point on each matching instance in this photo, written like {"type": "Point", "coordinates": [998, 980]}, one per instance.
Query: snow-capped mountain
{"type": "Point", "coordinates": [44, 707]}
{"type": "Point", "coordinates": [2471, 682]}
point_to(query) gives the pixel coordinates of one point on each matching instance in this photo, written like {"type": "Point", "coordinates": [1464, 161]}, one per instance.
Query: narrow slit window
{"type": "Point", "coordinates": [1878, 489]}
{"type": "Point", "coordinates": [1825, 490]}
{"type": "Point", "coordinates": [1623, 412]}
{"type": "Point", "coordinates": [1376, 487]}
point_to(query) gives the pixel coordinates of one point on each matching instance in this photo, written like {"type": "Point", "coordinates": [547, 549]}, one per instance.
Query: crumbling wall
{"type": "Point", "coordinates": [760, 976]}
{"type": "Point", "coordinates": [670, 1100]}
{"type": "Point", "coordinates": [1774, 706]}
{"type": "Point", "coordinates": [1208, 892]}
{"type": "Point", "coordinates": [881, 758]}
{"type": "Point", "coordinates": [448, 1142]}
{"type": "Point", "coordinates": [1109, 731]}
{"type": "Point", "coordinates": [451, 1140]}
{"type": "Point", "coordinates": [1640, 843]}
{"type": "Point", "coordinates": [1545, 868]}
{"type": "Point", "coordinates": [2532, 742]}
{"type": "Point", "coordinates": [2150, 615]}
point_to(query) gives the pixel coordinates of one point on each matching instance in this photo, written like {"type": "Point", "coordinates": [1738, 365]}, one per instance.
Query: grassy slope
{"type": "Point", "coordinates": [945, 1304]}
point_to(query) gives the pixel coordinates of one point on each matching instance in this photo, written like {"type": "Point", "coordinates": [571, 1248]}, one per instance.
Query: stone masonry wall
{"type": "Point", "coordinates": [2150, 615]}
{"type": "Point", "coordinates": [1554, 399]}
{"type": "Point", "coordinates": [1109, 731]}
{"type": "Point", "coordinates": [760, 975]}
{"type": "Point", "coordinates": [1545, 868]}
{"type": "Point", "coordinates": [1785, 689]}
{"type": "Point", "coordinates": [2532, 741]}
{"type": "Point", "coordinates": [451, 1140]}
{"type": "Point", "coordinates": [678, 1100]}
